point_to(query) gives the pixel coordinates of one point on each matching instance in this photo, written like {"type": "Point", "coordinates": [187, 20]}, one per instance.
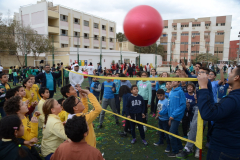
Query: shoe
{"type": "Point", "coordinates": [145, 128]}
{"type": "Point", "coordinates": [133, 140]}
{"type": "Point", "coordinates": [154, 115]}
{"type": "Point", "coordinates": [117, 123]}
{"type": "Point", "coordinates": [167, 150]}
{"type": "Point", "coordinates": [197, 153]}
{"type": "Point", "coordinates": [122, 134]}
{"type": "Point", "coordinates": [171, 154]}
{"type": "Point", "coordinates": [100, 126]}
{"type": "Point", "coordinates": [157, 144]}
{"type": "Point", "coordinates": [144, 142]}
{"type": "Point", "coordinates": [184, 154]}
{"type": "Point", "coordinates": [123, 121]}
{"type": "Point", "coordinates": [123, 125]}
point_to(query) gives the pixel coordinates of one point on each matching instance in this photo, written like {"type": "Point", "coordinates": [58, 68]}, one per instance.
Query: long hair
{"type": "Point", "coordinates": [161, 82]}
{"type": "Point", "coordinates": [47, 106]}
{"type": "Point", "coordinates": [7, 131]}
{"type": "Point", "coordinates": [124, 90]}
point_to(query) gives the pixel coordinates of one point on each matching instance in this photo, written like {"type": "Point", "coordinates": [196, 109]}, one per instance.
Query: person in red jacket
{"type": "Point", "coordinates": [148, 69]}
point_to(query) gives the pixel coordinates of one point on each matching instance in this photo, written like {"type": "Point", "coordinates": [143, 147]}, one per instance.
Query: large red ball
{"type": "Point", "coordinates": [143, 25]}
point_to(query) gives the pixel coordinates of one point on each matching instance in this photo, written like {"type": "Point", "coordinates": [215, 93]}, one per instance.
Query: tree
{"type": "Point", "coordinates": [121, 37]}
{"type": "Point", "coordinates": [206, 57]}
{"type": "Point", "coordinates": [150, 49]}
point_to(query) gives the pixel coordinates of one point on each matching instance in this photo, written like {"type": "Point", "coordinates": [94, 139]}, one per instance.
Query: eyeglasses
{"type": "Point", "coordinates": [78, 102]}
{"type": "Point", "coordinates": [211, 74]}
{"type": "Point", "coordinates": [201, 72]}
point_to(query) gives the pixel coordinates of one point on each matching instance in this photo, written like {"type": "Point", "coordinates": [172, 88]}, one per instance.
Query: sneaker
{"type": "Point", "coordinates": [171, 154]}
{"type": "Point", "coordinates": [145, 128]}
{"type": "Point", "coordinates": [154, 115]}
{"type": "Point", "coordinates": [133, 140]}
{"type": "Point", "coordinates": [144, 142]}
{"type": "Point", "coordinates": [167, 150]}
{"type": "Point", "coordinates": [197, 153]}
{"type": "Point", "coordinates": [100, 126]}
{"type": "Point", "coordinates": [157, 144]}
{"type": "Point", "coordinates": [184, 154]}
{"type": "Point", "coordinates": [122, 134]}
{"type": "Point", "coordinates": [123, 121]}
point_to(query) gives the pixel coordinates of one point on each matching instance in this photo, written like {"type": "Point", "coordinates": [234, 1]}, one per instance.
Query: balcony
{"type": "Point", "coordinates": [53, 14]}
{"type": "Point", "coordinates": [53, 29]}
{"type": "Point", "coordinates": [95, 30]}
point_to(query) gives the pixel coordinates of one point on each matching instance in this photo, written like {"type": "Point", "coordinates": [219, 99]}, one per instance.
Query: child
{"type": "Point", "coordinates": [117, 83]}
{"type": "Point", "coordinates": [35, 91]}
{"type": "Point", "coordinates": [95, 87]}
{"type": "Point", "coordinates": [176, 109]}
{"type": "Point", "coordinates": [15, 106]}
{"type": "Point", "coordinates": [190, 102]}
{"type": "Point", "coordinates": [53, 132]}
{"type": "Point", "coordinates": [107, 92]}
{"type": "Point", "coordinates": [169, 88]}
{"type": "Point", "coordinates": [136, 109]}
{"type": "Point", "coordinates": [124, 93]}
{"type": "Point", "coordinates": [162, 110]}
{"type": "Point", "coordinates": [184, 86]}
{"type": "Point", "coordinates": [76, 130]}
{"type": "Point", "coordinates": [138, 75]}
{"type": "Point", "coordinates": [15, 77]}
{"type": "Point", "coordinates": [59, 79]}
{"type": "Point", "coordinates": [66, 75]}
{"type": "Point", "coordinates": [145, 90]}
{"type": "Point", "coordinates": [75, 106]}
{"type": "Point", "coordinates": [222, 90]}
{"type": "Point", "coordinates": [44, 93]}
{"type": "Point", "coordinates": [63, 115]}
{"type": "Point", "coordinates": [153, 83]}
{"type": "Point", "coordinates": [11, 128]}
{"type": "Point", "coordinates": [125, 82]}
{"type": "Point", "coordinates": [27, 84]}
{"type": "Point", "coordinates": [4, 86]}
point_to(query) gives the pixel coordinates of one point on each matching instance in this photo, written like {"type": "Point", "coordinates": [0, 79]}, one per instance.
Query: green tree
{"type": "Point", "coordinates": [206, 57]}
{"type": "Point", "coordinates": [153, 49]}
{"type": "Point", "coordinates": [121, 37]}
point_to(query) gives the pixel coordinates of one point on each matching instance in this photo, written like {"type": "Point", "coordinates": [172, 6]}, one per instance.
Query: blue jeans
{"type": "Point", "coordinates": [59, 82]}
{"type": "Point", "coordinates": [163, 125]}
{"type": "Point", "coordinates": [14, 80]}
{"type": "Point", "coordinates": [138, 117]}
{"type": "Point", "coordinates": [90, 81]}
{"type": "Point", "coordinates": [117, 102]}
{"type": "Point", "coordinates": [2, 112]}
{"type": "Point", "coordinates": [117, 70]}
{"type": "Point", "coordinates": [48, 156]}
{"type": "Point", "coordinates": [176, 143]}
{"type": "Point", "coordinates": [218, 155]}
{"type": "Point", "coordinates": [51, 94]}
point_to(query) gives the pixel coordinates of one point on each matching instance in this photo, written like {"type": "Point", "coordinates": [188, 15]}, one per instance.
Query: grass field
{"type": "Point", "coordinates": [115, 147]}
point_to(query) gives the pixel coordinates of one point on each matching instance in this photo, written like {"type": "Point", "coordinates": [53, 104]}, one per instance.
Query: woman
{"type": "Point", "coordinates": [53, 131]}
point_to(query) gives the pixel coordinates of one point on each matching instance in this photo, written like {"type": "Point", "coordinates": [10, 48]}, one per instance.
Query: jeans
{"type": "Point", "coordinates": [10, 77]}
{"type": "Point", "coordinates": [14, 80]}
{"type": "Point", "coordinates": [137, 117]}
{"type": "Point", "coordinates": [66, 80]}
{"type": "Point", "coordinates": [176, 143]}
{"type": "Point", "coordinates": [117, 70]}
{"type": "Point", "coordinates": [117, 102]}
{"type": "Point", "coordinates": [90, 81]}
{"type": "Point", "coordinates": [163, 125]}
{"type": "Point", "coordinates": [145, 111]}
{"type": "Point", "coordinates": [2, 112]}
{"type": "Point", "coordinates": [105, 103]}
{"type": "Point", "coordinates": [185, 123]}
{"type": "Point", "coordinates": [152, 102]}
{"type": "Point", "coordinates": [51, 94]}
{"type": "Point", "coordinates": [218, 155]}
{"type": "Point", "coordinates": [48, 157]}
{"type": "Point", "coordinates": [59, 82]}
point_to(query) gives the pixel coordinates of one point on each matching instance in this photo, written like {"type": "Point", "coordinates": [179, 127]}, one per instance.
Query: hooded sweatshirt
{"type": "Point", "coordinates": [225, 132]}
{"type": "Point", "coordinates": [177, 104]}
{"type": "Point", "coordinates": [145, 90]}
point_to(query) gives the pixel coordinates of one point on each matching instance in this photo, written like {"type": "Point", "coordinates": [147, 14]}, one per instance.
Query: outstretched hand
{"type": "Point", "coordinates": [183, 64]}
{"type": "Point", "coordinates": [221, 65]}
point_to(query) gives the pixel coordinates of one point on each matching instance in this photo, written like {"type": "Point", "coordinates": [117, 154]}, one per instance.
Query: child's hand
{"type": "Point", "coordinates": [143, 115]}
{"type": "Point", "coordinates": [128, 116]}
{"type": "Point", "coordinates": [2, 90]}
{"type": "Point", "coordinates": [32, 94]}
{"type": "Point", "coordinates": [34, 120]}
{"type": "Point", "coordinates": [92, 88]}
{"type": "Point", "coordinates": [171, 118]}
{"type": "Point", "coordinates": [34, 104]}
{"type": "Point", "coordinates": [158, 115]}
{"type": "Point", "coordinates": [113, 89]}
{"type": "Point", "coordinates": [188, 106]}
{"type": "Point", "coordinates": [37, 113]}
{"type": "Point", "coordinates": [78, 87]}
{"type": "Point", "coordinates": [31, 142]}
{"type": "Point", "coordinates": [64, 122]}
{"type": "Point", "coordinates": [100, 101]}
{"type": "Point", "coordinates": [169, 122]}
{"type": "Point", "coordinates": [148, 106]}
{"type": "Point", "coordinates": [27, 102]}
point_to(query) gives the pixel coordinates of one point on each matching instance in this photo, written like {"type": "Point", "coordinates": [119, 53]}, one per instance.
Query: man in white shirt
{"type": "Point", "coordinates": [91, 71]}
{"type": "Point", "coordinates": [229, 69]}
{"type": "Point", "coordinates": [76, 78]}
{"type": "Point", "coordinates": [1, 69]}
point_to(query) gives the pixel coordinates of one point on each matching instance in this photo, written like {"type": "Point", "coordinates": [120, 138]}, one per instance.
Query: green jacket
{"type": "Point", "coordinates": [145, 90]}
{"type": "Point", "coordinates": [66, 74]}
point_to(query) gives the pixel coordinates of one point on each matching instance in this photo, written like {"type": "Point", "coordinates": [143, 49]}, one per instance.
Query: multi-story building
{"type": "Point", "coordinates": [234, 49]}
{"type": "Point", "coordinates": [65, 25]}
{"type": "Point", "coordinates": [125, 46]}
{"type": "Point", "coordinates": [189, 37]}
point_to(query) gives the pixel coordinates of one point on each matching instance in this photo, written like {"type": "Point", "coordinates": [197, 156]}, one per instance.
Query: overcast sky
{"type": "Point", "coordinates": [116, 10]}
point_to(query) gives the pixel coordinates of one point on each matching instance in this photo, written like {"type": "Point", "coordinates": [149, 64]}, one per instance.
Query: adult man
{"type": "Point", "coordinates": [48, 79]}
{"type": "Point", "coordinates": [91, 71]}
{"type": "Point", "coordinates": [76, 78]}
{"type": "Point", "coordinates": [225, 133]}
{"type": "Point", "coordinates": [99, 68]}
{"type": "Point", "coordinates": [148, 69]}
{"type": "Point", "coordinates": [1, 69]}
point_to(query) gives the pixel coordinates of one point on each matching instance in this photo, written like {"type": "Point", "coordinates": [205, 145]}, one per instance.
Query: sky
{"type": "Point", "coordinates": [115, 10]}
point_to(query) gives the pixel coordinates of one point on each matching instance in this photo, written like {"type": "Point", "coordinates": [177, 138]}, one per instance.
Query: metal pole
{"type": "Point", "coordinates": [217, 55]}
{"type": "Point", "coordinates": [78, 50]}
{"type": "Point", "coordinates": [170, 57]}
{"type": "Point", "coordinates": [101, 52]}
{"type": "Point", "coordinates": [139, 57]}
{"type": "Point", "coordinates": [25, 53]}
{"type": "Point", "coordinates": [52, 50]}
{"type": "Point", "coordinates": [121, 52]}
{"type": "Point", "coordinates": [207, 55]}
{"type": "Point", "coordinates": [156, 57]}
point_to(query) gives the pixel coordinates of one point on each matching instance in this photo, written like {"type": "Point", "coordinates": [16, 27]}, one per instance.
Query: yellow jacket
{"type": "Point", "coordinates": [35, 90]}
{"type": "Point", "coordinates": [90, 117]}
{"type": "Point", "coordinates": [30, 129]}
{"type": "Point", "coordinates": [41, 117]}
{"type": "Point", "coordinates": [86, 107]}
{"type": "Point", "coordinates": [63, 115]}
{"type": "Point", "coordinates": [28, 95]}
{"type": "Point", "coordinates": [53, 135]}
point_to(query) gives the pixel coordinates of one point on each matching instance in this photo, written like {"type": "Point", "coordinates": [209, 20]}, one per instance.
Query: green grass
{"type": "Point", "coordinates": [118, 148]}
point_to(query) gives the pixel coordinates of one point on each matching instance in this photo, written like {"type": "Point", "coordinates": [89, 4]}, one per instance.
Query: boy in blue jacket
{"type": "Point", "coordinates": [95, 87]}
{"type": "Point", "coordinates": [117, 83]}
{"type": "Point", "coordinates": [135, 110]}
{"type": "Point", "coordinates": [176, 109]}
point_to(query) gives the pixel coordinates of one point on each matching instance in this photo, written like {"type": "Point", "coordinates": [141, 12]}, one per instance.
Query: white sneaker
{"type": "Point", "coordinates": [197, 153]}
{"type": "Point", "coordinates": [145, 128]}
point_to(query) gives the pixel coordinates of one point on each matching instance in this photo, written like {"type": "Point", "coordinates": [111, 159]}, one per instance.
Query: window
{"type": "Point", "coordinates": [103, 47]}
{"type": "Point", "coordinates": [195, 34]}
{"type": "Point", "coordinates": [165, 51]}
{"type": "Point", "coordinates": [184, 42]}
{"type": "Point", "coordinates": [111, 48]}
{"type": "Point", "coordinates": [86, 23]}
{"type": "Point", "coordinates": [103, 27]}
{"type": "Point", "coordinates": [86, 46]}
{"type": "Point", "coordinates": [95, 25]}
{"type": "Point", "coordinates": [111, 40]}
{"type": "Point", "coordinates": [207, 33]}
{"type": "Point", "coordinates": [174, 34]}
{"type": "Point", "coordinates": [95, 37]}
{"type": "Point", "coordinates": [196, 25]}
{"type": "Point", "coordinates": [164, 43]}
{"type": "Point", "coordinates": [86, 36]}
{"type": "Point", "coordinates": [103, 38]}
{"type": "Point", "coordinates": [220, 33]}
{"type": "Point", "coordinates": [195, 42]}
{"type": "Point", "coordinates": [64, 32]}
{"type": "Point", "coordinates": [164, 35]}
{"type": "Point", "coordinates": [174, 26]}
{"type": "Point", "coordinates": [183, 51]}
{"type": "Point", "coordinates": [95, 47]}
{"type": "Point", "coordinates": [64, 45]}
{"type": "Point", "coordinates": [218, 51]}
{"type": "Point", "coordinates": [165, 26]}
{"type": "Point", "coordinates": [77, 46]}
{"type": "Point", "coordinates": [216, 24]}
{"type": "Point", "coordinates": [207, 24]}
{"type": "Point", "coordinates": [63, 18]}
{"type": "Point", "coordinates": [76, 21]}
{"type": "Point", "coordinates": [219, 42]}
{"type": "Point", "coordinates": [111, 29]}
{"type": "Point", "coordinates": [186, 25]}
{"type": "Point", "coordinates": [222, 24]}
{"type": "Point", "coordinates": [194, 51]}
{"type": "Point", "coordinates": [76, 34]}
{"type": "Point", "coordinates": [184, 34]}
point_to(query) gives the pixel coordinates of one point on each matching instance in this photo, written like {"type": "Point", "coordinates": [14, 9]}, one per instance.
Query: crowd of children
{"type": "Point", "coordinates": [67, 122]}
